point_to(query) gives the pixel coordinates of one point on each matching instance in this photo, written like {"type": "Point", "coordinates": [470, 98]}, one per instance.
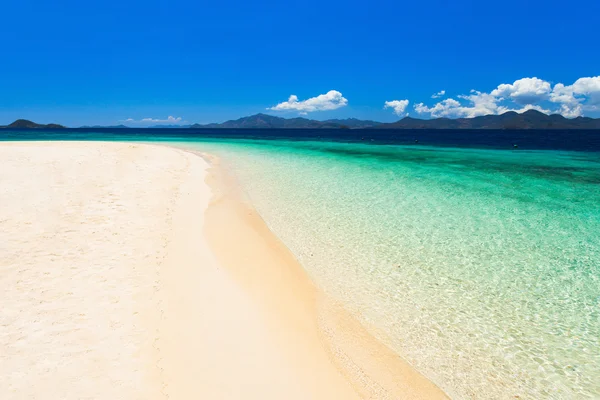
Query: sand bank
{"type": "Point", "coordinates": [118, 280]}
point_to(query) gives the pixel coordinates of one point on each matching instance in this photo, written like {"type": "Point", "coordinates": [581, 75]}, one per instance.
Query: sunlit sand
{"type": "Point", "coordinates": [110, 290]}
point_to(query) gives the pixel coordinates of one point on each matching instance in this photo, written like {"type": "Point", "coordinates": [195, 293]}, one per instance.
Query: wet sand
{"type": "Point", "coordinates": [312, 330]}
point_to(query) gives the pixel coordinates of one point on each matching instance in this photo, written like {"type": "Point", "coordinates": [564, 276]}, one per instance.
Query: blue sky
{"type": "Point", "coordinates": [78, 62]}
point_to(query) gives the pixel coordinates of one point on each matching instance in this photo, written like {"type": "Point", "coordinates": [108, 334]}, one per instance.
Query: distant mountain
{"type": "Point", "coordinates": [26, 124]}
{"type": "Point", "coordinates": [125, 126]}
{"type": "Point", "coordinates": [353, 123]}
{"type": "Point", "coordinates": [264, 121]}
{"type": "Point", "coordinates": [530, 119]}
{"type": "Point", "coordinates": [104, 127]}
{"type": "Point", "coordinates": [169, 126]}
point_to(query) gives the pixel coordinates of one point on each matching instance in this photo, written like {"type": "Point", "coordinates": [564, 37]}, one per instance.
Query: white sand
{"type": "Point", "coordinates": [108, 289]}
{"type": "Point", "coordinates": [84, 230]}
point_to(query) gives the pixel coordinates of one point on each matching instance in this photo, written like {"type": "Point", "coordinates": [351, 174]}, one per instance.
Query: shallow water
{"type": "Point", "coordinates": [481, 267]}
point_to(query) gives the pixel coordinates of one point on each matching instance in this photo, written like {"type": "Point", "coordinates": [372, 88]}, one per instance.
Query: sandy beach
{"type": "Point", "coordinates": [133, 271]}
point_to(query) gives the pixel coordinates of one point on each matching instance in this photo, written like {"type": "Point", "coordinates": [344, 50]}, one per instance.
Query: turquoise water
{"type": "Point", "coordinates": [481, 267]}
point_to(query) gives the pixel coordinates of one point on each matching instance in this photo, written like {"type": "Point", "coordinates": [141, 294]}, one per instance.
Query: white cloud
{"type": "Point", "coordinates": [482, 104]}
{"type": "Point", "coordinates": [570, 111]}
{"type": "Point", "coordinates": [445, 108]}
{"type": "Point", "coordinates": [563, 94]}
{"type": "Point", "coordinates": [588, 87]}
{"type": "Point", "coordinates": [582, 95]}
{"type": "Point", "coordinates": [520, 96]}
{"type": "Point", "coordinates": [439, 94]}
{"type": "Point", "coordinates": [528, 107]}
{"type": "Point", "coordinates": [331, 100]}
{"type": "Point", "coordinates": [398, 105]}
{"type": "Point", "coordinates": [524, 91]}
{"type": "Point", "coordinates": [479, 104]}
{"type": "Point", "coordinates": [570, 106]}
{"type": "Point", "coordinates": [169, 120]}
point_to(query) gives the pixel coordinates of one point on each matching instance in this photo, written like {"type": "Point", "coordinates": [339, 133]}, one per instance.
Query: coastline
{"type": "Point", "coordinates": [297, 308]}
{"type": "Point", "coordinates": [138, 271]}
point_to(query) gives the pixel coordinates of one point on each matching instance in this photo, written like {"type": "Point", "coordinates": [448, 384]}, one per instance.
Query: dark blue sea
{"type": "Point", "coordinates": [570, 140]}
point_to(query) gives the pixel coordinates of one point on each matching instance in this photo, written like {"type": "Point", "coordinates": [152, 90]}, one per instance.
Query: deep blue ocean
{"type": "Point", "coordinates": [568, 140]}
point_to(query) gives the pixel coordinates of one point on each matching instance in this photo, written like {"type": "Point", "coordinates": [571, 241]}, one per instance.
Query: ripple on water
{"type": "Point", "coordinates": [481, 266]}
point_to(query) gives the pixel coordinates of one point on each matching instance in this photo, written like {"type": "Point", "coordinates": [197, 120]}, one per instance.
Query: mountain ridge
{"type": "Point", "coordinates": [265, 121]}
{"type": "Point", "coordinates": [531, 119]}
{"type": "Point", "coordinates": [103, 126]}
{"type": "Point", "coordinates": [27, 124]}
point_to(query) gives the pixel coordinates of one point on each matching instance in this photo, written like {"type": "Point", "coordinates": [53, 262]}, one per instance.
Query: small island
{"type": "Point", "coordinates": [26, 124]}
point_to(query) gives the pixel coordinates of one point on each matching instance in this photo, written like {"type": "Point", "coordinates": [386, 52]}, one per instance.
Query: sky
{"type": "Point", "coordinates": [143, 63]}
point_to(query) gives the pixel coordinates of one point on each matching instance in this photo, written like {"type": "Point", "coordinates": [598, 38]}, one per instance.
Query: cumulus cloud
{"type": "Point", "coordinates": [582, 95]}
{"type": "Point", "coordinates": [520, 96]}
{"type": "Point", "coordinates": [331, 100]}
{"type": "Point", "coordinates": [478, 104]}
{"type": "Point", "coordinates": [439, 94]}
{"type": "Point", "coordinates": [563, 94]}
{"type": "Point", "coordinates": [524, 91]}
{"type": "Point", "coordinates": [528, 107]}
{"type": "Point", "coordinates": [588, 87]}
{"type": "Point", "coordinates": [482, 104]}
{"type": "Point", "coordinates": [399, 106]}
{"type": "Point", "coordinates": [170, 120]}
{"type": "Point", "coordinates": [571, 111]}
{"type": "Point", "coordinates": [445, 108]}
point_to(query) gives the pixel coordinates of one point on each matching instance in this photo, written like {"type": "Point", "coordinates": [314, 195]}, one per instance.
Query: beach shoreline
{"type": "Point", "coordinates": [285, 289]}
{"type": "Point", "coordinates": [139, 271]}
